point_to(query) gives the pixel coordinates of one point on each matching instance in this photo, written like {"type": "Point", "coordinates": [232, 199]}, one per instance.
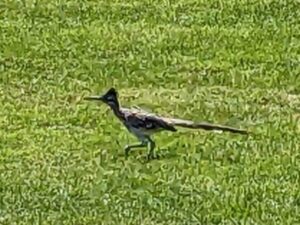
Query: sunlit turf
{"type": "Point", "coordinates": [229, 62]}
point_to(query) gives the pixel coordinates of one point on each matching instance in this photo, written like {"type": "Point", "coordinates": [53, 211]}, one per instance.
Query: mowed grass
{"type": "Point", "coordinates": [229, 62]}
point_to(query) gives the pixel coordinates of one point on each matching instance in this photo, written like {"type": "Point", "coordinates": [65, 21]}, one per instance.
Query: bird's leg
{"type": "Point", "coordinates": [129, 147]}
{"type": "Point", "coordinates": [151, 147]}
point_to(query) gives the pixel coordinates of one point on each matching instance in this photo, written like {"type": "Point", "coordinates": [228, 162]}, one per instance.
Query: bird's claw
{"type": "Point", "coordinates": [151, 157]}
{"type": "Point", "coordinates": [126, 149]}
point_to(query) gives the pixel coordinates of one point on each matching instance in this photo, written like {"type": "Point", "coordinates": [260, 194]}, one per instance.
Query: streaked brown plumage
{"type": "Point", "coordinates": [143, 124]}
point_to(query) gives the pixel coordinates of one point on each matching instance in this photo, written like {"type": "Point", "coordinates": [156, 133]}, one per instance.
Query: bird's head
{"type": "Point", "coordinates": [110, 98]}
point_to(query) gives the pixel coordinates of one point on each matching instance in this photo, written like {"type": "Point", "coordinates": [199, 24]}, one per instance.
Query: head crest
{"type": "Point", "coordinates": [112, 91]}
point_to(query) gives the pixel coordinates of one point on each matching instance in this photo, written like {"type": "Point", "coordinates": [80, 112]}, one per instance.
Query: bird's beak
{"type": "Point", "coordinates": [94, 98]}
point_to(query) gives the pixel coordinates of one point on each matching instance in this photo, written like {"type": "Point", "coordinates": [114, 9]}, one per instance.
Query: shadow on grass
{"type": "Point", "coordinates": [167, 154]}
{"type": "Point", "coordinates": [141, 155]}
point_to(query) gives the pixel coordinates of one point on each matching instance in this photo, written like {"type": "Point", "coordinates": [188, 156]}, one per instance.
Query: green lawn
{"type": "Point", "coordinates": [230, 62]}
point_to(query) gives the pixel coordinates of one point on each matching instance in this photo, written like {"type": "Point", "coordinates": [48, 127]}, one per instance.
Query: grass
{"type": "Point", "coordinates": [230, 62]}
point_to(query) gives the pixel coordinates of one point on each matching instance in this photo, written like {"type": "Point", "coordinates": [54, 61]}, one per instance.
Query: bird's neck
{"type": "Point", "coordinates": [117, 111]}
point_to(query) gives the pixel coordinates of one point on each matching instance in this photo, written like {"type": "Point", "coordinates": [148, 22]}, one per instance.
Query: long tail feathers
{"type": "Point", "coordinates": [203, 125]}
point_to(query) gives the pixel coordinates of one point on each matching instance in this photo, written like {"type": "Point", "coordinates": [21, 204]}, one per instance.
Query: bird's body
{"type": "Point", "coordinates": [143, 124]}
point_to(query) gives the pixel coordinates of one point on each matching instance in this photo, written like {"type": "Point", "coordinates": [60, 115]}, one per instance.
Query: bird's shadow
{"type": "Point", "coordinates": [141, 156]}
{"type": "Point", "coordinates": [166, 153]}
{"type": "Point", "coordinates": [158, 157]}
{"type": "Point", "coordinates": [169, 154]}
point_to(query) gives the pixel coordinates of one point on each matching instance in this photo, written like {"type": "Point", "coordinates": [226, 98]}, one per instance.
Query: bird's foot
{"type": "Point", "coordinates": [126, 150]}
{"type": "Point", "coordinates": [152, 156]}
{"type": "Point", "coordinates": [156, 156]}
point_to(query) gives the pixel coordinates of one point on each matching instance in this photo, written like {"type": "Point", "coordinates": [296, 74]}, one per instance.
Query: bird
{"type": "Point", "coordinates": [143, 124]}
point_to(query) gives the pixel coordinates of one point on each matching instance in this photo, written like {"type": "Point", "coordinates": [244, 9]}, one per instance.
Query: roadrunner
{"type": "Point", "coordinates": [143, 124]}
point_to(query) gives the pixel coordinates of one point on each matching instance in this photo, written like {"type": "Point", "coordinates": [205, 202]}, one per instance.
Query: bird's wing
{"type": "Point", "coordinates": [142, 119]}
